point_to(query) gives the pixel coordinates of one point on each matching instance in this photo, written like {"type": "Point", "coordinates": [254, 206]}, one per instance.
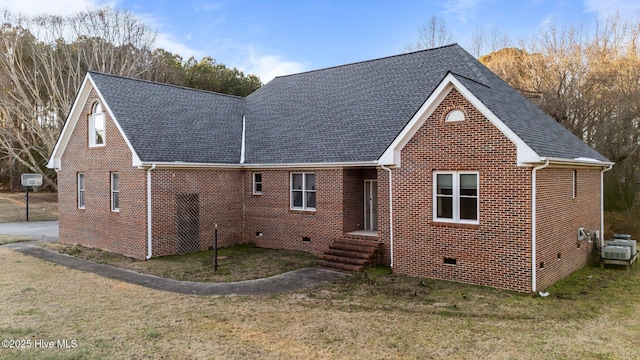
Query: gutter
{"type": "Point", "coordinates": [602, 204]}
{"type": "Point", "coordinates": [149, 211]}
{"type": "Point", "coordinates": [533, 224]}
{"type": "Point", "coordinates": [390, 213]}
{"type": "Point", "coordinates": [243, 166]}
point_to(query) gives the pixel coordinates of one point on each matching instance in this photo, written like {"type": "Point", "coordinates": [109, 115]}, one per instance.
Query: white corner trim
{"type": "Point", "coordinates": [391, 156]}
{"type": "Point", "coordinates": [55, 162]}
{"type": "Point", "coordinates": [242, 145]}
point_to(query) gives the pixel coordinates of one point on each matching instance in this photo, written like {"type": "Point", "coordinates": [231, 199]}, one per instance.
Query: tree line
{"type": "Point", "coordinates": [44, 59]}
{"type": "Point", "coordinates": [587, 77]}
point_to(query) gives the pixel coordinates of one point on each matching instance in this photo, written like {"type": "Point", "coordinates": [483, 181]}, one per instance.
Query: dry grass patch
{"type": "Point", "coordinates": [42, 206]}
{"type": "Point", "coordinates": [235, 263]}
{"type": "Point", "coordinates": [9, 239]}
{"type": "Point", "coordinates": [594, 314]}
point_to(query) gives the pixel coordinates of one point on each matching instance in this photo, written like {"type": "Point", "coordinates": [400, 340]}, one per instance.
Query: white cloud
{"type": "Point", "coordinates": [611, 7]}
{"type": "Point", "coordinates": [56, 7]}
{"type": "Point", "coordinates": [210, 7]}
{"type": "Point", "coordinates": [267, 67]}
{"type": "Point", "coordinates": [460, 8]}
{"type": "Point", "coordinates": [167, 42]}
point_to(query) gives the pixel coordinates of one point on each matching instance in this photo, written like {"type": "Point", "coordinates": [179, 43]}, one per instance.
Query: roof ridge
{"type": "Point", "coordinates": [164, 84]}
{"type": "Point", "coordinates": [370, 60]}
{"type": "Point", "coordinates": [473, 64]}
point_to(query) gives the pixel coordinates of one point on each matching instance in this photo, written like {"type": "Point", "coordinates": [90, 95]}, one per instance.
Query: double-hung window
{"type": "Point", "coordinates": [80, 191]}
{"type": "Point", "coordinates": [257, 183]}
{"type": "Point", "coordinates": [456, 196]}
{"type": "Point", "coordinates": [96, 126]}
{"type": "Point", "coordinates": [115, 192]}
{"type": "Point", "coordinates": [303, 191]}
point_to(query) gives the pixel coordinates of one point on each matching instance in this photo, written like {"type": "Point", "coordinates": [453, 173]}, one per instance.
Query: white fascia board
{"type": "Point", "coordinates": [391, 156]}
{"type": "Point", "coordinates": [187, 165]}
{"type": "Point", "coordinates": [55, 162]}
{"type": "Point", "coordinates": [581, 162]}
{"type": "Point", "coordinates": [331, 165]}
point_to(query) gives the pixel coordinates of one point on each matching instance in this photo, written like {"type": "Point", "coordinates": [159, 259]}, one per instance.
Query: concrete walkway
{"type": "Point", "coordinates": [291, 281]}
{"type": "Point", "coordinates": [37, 230]}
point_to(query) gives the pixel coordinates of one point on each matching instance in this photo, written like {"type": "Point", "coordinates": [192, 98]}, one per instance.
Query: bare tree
{"type": "Point", "coordinates": [43, 61]}
{"type": "Point", "coordinates": [432, 34]}
{"type": "Point", "coordinates": [477, 45]}
{"type": "Point", "coordinates": [588, 79]}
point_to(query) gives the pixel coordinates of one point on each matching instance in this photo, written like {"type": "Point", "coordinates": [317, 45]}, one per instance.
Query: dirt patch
{"type": "Point", "coordinates": [43, 206]}
{"type": "Point", "coordinates": [235, 263]}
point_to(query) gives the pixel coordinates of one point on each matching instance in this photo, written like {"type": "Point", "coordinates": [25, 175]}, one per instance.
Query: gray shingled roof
{"type": "Point", "coordinates": [348, 113]}
{"type": "Point", "coordinates": [171, 123]}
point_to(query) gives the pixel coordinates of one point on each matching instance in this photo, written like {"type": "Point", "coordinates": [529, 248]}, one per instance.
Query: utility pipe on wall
{"type": "Point", "coordinates": [149, 210]}
{"type": "Point", "coordinates": [533, 224]}
{"type": "Point", "coordinates": [390, 213]}
{"type": "Point", "coordinates": [602, 205]}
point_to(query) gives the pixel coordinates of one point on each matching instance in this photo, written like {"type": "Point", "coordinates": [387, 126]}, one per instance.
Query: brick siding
{"type": "Point", "coordinates": [283, 228]}
{"type": "Point", "coordinates": [220, 200]}
{"type": "Point", "coordinates": [496, 252]}
{"type": "Point", "coordinates": [558, 218]}
{"type": "Point", "coordinates": [97, 226]}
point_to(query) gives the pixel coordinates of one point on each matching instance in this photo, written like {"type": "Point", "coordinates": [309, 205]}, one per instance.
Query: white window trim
{"type": "Point", "coordinates": [456, 197]}
{"type": "Point", "coordinates": [81, 190]}
{"type": "Point", "coordinates": [113, 191]}
{"type": "Point", "coordinates": [454, 116]}
{"type": "Point", "coordinates": [255, 191]}
{"type": "Point", "coordinates": [92, 127]}
{"type": "Point", "coordinates": [304, 191]}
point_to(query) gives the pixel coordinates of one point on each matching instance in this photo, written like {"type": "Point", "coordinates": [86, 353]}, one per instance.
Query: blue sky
{"type": "Point", "coordinates": [270, 38]}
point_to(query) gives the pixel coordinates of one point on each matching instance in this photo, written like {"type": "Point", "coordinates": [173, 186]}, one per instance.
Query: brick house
{"type": "Point", "coordinates": [429, 154]}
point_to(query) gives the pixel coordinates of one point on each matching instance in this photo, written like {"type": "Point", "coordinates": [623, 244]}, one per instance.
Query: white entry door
{"type": "Point", "coordinates": [371, 205]}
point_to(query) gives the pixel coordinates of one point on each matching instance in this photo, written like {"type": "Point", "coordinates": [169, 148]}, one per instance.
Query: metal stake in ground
{"type": "Point", "coordinates": [27, 201]}
{"type": "Point", "coordinates": [215, 247]}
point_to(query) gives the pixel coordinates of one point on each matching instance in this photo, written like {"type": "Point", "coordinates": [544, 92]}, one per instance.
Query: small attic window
{"type": "Point", "coordinates": [96, 126]}
{"type": "Point", "coordinates": [454, 115]}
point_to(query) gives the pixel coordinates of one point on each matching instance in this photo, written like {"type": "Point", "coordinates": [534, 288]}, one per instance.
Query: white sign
{"type": "Point", "coordinates": [31, 179]}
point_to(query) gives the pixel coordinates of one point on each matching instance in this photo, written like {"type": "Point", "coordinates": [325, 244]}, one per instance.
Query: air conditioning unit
{"type": "Point", "coordinates": [618, 242]}
{"type": "Point", "coordinates": [616, 252]}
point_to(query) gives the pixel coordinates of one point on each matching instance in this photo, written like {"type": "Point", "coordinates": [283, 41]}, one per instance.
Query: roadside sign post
{"type": "Point", "coordinates": [29, 180]}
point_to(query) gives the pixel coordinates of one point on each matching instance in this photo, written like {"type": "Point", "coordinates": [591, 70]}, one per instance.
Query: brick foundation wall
{"type": "Point", "coordinates": [97, 226]}
{"type": "Point", "coordinates": [558, 218]}
{"type": "Point", "coordinates": [283, 228]}
{"type": "Point", "coordinates": [219, 194]}
{"type": "Point", "coordinates": [497, 252]}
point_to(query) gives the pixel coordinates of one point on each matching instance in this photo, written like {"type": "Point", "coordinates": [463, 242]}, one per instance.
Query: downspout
{"type": "Point", "coordinates": [533, 224]}
{"type": "Point", "coordinates": [149, 223]}
{"type": "Point", "coordinates": [242, 144]}
{"type": "Point", "coordinates": [390, 213]}
{"type": "Point", "coordinates": [602, 204]}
